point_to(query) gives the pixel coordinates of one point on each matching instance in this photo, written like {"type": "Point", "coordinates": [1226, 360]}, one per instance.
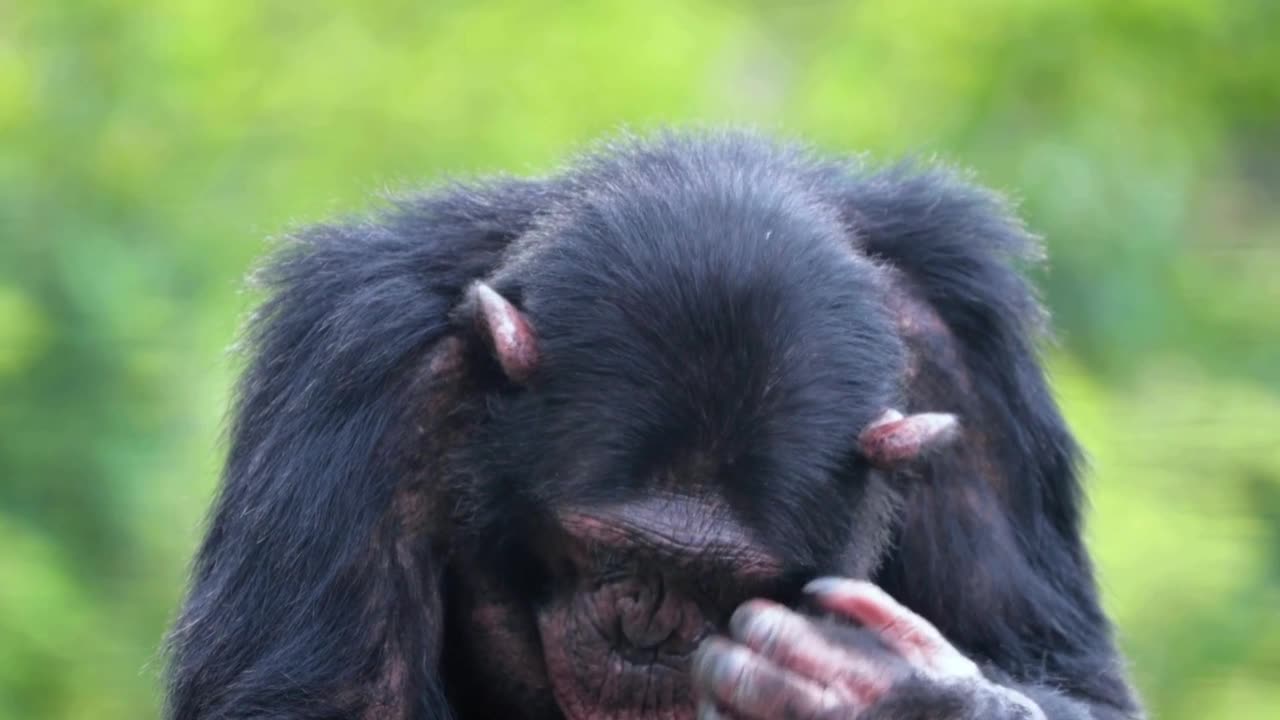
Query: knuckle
{"type": "Point", "coordinates": [864, 684]}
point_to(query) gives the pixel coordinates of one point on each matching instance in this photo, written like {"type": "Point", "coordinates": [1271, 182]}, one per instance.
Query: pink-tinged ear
{"type": "Point", "coordinates": [893, 440]}
{"type": "Point", "coordinates": [507, 331]}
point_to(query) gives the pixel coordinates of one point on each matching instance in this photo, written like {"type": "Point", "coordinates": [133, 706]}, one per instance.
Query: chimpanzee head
{"type": "Point", "coordinates": [677, 395]}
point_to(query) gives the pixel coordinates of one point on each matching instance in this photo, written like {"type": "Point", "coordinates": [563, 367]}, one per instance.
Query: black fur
{"type": "Point", "coordinates": [318, 591]}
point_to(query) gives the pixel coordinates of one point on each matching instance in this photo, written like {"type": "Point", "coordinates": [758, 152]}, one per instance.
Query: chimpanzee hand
{"type": "Point", "coordinates": [894, 665]}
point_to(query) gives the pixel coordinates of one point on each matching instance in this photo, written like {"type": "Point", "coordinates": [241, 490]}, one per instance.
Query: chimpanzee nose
{"type": "Point", "coordinates": [642, 618]}
{"type": "Point", "coordinates": [650, 618]}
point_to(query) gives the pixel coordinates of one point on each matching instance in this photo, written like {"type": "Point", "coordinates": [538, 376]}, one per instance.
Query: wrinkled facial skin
{"type": "Point", "coordinates": [626, 595]}
{"type": "Point", "coordinates": [646, 584]}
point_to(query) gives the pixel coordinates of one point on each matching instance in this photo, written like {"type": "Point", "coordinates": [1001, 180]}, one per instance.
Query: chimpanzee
{"type": "Point", "coordinates": [705, 424]}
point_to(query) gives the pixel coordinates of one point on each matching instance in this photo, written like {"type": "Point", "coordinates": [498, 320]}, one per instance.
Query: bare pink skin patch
{"type": "Point", "coordinates": [893, 439]}
{"type": "Point", "coordinates": [508, 331]}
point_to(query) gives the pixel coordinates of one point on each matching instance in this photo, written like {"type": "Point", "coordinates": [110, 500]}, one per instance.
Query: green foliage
{"type": "Point", "coordinates": [148, 148]}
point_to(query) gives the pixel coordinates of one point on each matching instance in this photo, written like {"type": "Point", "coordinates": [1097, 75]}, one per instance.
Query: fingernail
{"type": "Point", "coordinates": [725, 666]}
{"type": "Point", "coordinates": [825, 585]}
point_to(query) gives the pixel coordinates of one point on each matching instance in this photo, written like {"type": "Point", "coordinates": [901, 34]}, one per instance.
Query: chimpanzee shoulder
{"type": "Point", "coordinates": [320, 587]}
{"type": "Point", "coordinates": [960, 256]}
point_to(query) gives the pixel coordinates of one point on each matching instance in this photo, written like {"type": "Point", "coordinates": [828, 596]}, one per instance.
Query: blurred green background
{"type": "Point", "coordinates": [149, 149]}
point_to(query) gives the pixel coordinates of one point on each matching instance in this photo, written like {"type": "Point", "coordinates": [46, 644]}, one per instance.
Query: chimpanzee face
{"type": "Point", "coordinates": [607, 586]}
{"type": "Point", "coordinates": [667, 460]}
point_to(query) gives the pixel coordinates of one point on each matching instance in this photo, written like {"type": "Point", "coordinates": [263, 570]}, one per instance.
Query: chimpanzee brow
{"type": "Point", "coordinates": [677, 531]}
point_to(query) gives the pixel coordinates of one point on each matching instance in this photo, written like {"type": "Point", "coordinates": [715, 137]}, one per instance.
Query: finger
{"type": "Point", "coordinates": [795, 643]}
{"type": "Point", "coordinates": [747, 685]}
{"type": "Point", "coordinates": [910, 635]}
{"type": "Point", "coordinates": [875, 610]}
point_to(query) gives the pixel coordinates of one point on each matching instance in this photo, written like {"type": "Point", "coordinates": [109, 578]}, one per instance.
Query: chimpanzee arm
{"type": "Point", "coordinates": [989, 549]}
{"type": "Point", "coordinates": [316, 591]}
{"type": "Point", "coordinates": [985, 605]}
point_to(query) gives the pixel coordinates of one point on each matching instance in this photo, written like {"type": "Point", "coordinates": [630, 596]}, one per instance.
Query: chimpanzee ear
{"type": "Point", "coordinates": [894, 440]}
{"type": "Point", "coordinates": [504, 329]}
